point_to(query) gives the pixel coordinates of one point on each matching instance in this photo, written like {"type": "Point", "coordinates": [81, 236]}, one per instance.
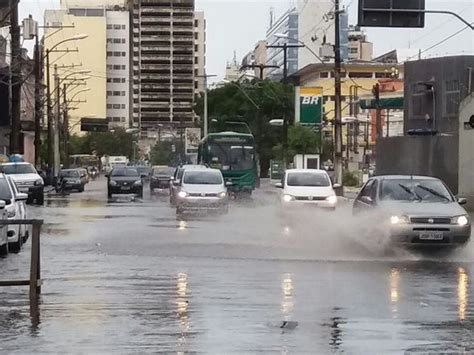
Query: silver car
{"type": "Point", "coordinates": [202, 190]}
{"type": "Point", "coordinates": [417, 210]}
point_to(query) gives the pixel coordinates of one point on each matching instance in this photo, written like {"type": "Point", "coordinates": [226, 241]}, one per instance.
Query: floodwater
{"type": "Point", "coordinates": [127, 276]}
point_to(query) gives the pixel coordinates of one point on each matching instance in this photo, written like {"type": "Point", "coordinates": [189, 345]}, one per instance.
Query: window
{"type": "Point", "coordinates": [196, 47]}
{"type": "Point", "coordinates": [109, 40]}
{"type": "Point", "coordinates": [123, 93]}
{"type": "Point", "coordinates": [116, 106]}
{"type": "Point", "coordinates": [117, 40]}
{"type": "Point", "coordinates": [110, 66]}
{"type": "Point", "coordinates": [117, 27]}
{"type": "Point", "coordinates": [116, 80]}
{"type": "Point", "coordinates": [116, 93]}
{"type": "Point", "coordinates": [196, 85]}
{"type": "Point", "coordinates": [196, 60]}
{"type": "Point", "coordinates": [381, 75]}
{"type": "Point", "coordinates": [123, 80]}
{"type": "Point", "coordinates": [196, 23]}
{"type": "Point", "coordinates": [123, 40]}
{"type": "Point", "coordinates": [360, 75]}
{"type": "Point", "coordinates": [123, 67]}
{"type": "Point", "coordinates": [196, 35]}
{"type": "Point", "coordinates": [109, 93]}
{"type": "Point", "coordinates": [324, 74]}
{"type": "Point", "coordinates": [123, 27]}
{"type": "Point", "coordinates": [122, 119]}
{"type": "Point", "coordinates": [109, 106]}
{"type": "Point", "coordinates": [123, 54]}
{"type": "Point", "coordinates": [109, 80]}
{"type": "Point", "coordinates": [196, 72]}
{"type": "Point", "coordinates": [123, 106]}
{"type": "Point", "coordinates": [353, 50]}
{"type": "Point", "coordinates": [109, 27]}
{"type": "Point", "coordinates": [109, 54]}
{"type": "Point", "coordinates": [117, 54]}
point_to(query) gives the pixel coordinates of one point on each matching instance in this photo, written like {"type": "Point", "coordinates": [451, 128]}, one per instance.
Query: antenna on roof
{"type": "Point", "coordinates": [271, 16]}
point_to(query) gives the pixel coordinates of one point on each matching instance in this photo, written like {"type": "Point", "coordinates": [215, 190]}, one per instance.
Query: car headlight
{"type": "Point", "coordinates": [39, 182]}
{"type": "Point", "coordinates": [182, 194]}
{"type": "Point", "coordinates": [332, 199]}
{"type": "Point", "coordinates": [288, 198]}
{"type": "Point", "coordinates": [399, 220]}
{"type": "Point", "coordinates": [113, 183]}
{"type": "Point", "coordinates": [460, 220]}
{"type": "Point", "coordinates": [223, 195]}
{"type": "Point", "coordinates": [11, 213]}
{"type": "Point", "coordinates": [137, 183]}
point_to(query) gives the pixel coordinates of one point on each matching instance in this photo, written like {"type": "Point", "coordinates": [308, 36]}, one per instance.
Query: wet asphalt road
{"type": "Point", "coordinates": [127, 276]}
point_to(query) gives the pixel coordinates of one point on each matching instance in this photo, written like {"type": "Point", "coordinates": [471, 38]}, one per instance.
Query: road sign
{"type": "Point", "coordinates": [391, 13]}
{"type": "Point", "coordinates": [309, 105]}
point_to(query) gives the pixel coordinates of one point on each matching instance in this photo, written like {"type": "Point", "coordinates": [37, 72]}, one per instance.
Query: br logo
{"type": "Point", "coordinates": [310, 100]}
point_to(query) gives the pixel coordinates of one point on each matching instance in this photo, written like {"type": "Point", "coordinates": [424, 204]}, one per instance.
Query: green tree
{"type": "Point", "coordinates": [256, 103]}
{"type": "Point", "coordinates": [162, 154]}
{"type": "Point", "coordinates": [301, 140]}
{"type": "Point", "coordinates": [104, 143]}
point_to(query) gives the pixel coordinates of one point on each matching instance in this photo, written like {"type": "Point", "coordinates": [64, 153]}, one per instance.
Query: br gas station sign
{"type": "Point", "coordinates": [309, 106]}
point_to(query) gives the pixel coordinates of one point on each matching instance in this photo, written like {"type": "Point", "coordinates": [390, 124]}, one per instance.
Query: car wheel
{"type": "Point", "coordinates": [4, 249]}
{"type": "Point", "coordinates": [15, 247]}
{"type": "Point", "coordinates": [109, 194]}
{"type": "Point", "coordinates": [40, 199]}
{"type": "Point", "coordinates": [81, 189]}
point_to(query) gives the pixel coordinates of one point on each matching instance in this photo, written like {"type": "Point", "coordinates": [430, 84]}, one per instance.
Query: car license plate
{"type": "Point", "coordinates": [431, 236]}
{"type": "Point", "coordinates": [125, 188]}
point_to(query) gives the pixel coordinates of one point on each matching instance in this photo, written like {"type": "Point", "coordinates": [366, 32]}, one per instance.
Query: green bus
{"type": "Point", "coordinates": [233, 154]}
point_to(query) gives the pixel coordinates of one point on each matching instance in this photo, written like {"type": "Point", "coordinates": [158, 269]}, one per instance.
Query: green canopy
{"type": "Point", "coordinates": [385, 103]}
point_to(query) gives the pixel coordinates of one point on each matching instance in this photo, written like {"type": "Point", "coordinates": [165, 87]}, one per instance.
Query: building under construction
{"type": "Point", "coordinates": [162, 63]}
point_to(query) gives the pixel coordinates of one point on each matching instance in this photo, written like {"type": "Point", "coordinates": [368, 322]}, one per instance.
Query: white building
{"type": "Point", "coordinates": [199, 51]}
{"type": "Point", "coordinates": [118, 73]}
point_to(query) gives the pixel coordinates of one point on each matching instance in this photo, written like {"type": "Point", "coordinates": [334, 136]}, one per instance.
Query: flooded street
{"type": "Point", "coordinates": [128, 276]}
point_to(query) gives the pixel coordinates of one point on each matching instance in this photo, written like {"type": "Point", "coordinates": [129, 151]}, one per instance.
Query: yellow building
{"type": "Point", "coordinates": [87, 54]}
{"type": "Point", "coordinates": [364, 75]}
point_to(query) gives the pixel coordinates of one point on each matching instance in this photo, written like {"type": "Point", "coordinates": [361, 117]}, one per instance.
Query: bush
{"type": "Point", "coordinates": [350, 179]}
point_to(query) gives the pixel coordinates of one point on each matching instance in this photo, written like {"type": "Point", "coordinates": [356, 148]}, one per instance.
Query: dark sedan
{"type": "Point", "coordinates": [124, 180]}
{"type": "Point", "coordinates": [72, 179]}
{"type": "Point", "coordinates": [161, 177]}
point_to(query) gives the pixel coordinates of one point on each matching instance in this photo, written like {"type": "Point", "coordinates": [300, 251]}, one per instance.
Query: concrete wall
{"type": "Point", "coordinates": [466, 152]}
{"type": "Point", "coordinates": [419, 155]}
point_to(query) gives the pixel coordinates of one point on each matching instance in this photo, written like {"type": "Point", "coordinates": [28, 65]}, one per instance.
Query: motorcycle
{"type": "Point", "coordinates": [93, 173]}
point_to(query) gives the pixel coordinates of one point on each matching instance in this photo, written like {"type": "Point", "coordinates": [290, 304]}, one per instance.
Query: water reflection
{"type": "Point", "coordinates": [182, 304]}
{"type": "Point", "coordinates": [287, 303]}
{"type": "Point", "coordinates": [394, 292]}
{"type": "Point", "coordinates": [182, 225]}
{"type": "Point", "coordinates": [463, 293]}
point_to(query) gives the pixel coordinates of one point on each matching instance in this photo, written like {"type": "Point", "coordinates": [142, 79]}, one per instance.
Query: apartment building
{"type": "Point", "coordinates": [163, 42]}
{"type": "Point", "coordinates": [199, 51]}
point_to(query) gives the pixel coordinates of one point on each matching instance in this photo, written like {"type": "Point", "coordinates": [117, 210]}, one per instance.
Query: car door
{"type": "Point", "coordinates": [21, 206]}
{"type": "Point", "coordinates": [366, 199]}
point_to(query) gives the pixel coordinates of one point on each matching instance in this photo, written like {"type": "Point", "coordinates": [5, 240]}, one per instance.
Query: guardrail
{"type": "Point", "coordinates": [35, 263]}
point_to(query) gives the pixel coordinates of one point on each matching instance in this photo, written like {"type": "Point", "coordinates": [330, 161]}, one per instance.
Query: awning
{"type": "Point", "coordinates": [385, 103]}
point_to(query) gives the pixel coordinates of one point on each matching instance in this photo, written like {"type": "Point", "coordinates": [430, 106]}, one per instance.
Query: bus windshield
{"type": "Point", "coordinates": [231, 156]}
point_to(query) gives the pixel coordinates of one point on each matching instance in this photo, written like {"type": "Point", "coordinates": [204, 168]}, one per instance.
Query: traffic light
{"type": "Point", "coordinates": [391, 13]}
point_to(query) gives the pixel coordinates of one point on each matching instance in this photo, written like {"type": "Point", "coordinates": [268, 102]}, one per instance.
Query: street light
{"type": "Point", "coordinates": [205, 76]}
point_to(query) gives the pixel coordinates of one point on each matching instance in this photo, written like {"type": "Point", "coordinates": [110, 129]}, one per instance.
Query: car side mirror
{"type": "Point", "coordinates": [279, 185]}
{"type": "Point", "coordinates": [462, 200]}
{"type": "Point", "coordinates": [337, 186]}
{"type": "Point", "coordinates": [22, 197]}
{"type": "Point", "coordinates": [367, 199]}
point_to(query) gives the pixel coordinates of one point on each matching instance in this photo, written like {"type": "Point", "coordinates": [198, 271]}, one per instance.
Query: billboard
{"type": "Point", "coordinates": [309, 105]}
{"type": "Point", "coordinates": [193, 137]}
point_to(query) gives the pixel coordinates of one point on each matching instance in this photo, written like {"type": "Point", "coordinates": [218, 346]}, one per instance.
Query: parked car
{"type": "Point", "coordinates": [307, 188]}
{"type": "Point", "coordinates": [124, 180]}
{"type": "Point", "coordinates": [417, 210]}
{"type": "Point", "coordinates": [26, 179]}
{"type": "Point", "coordinates": [3, 230]}
{"type": "Point", "coordinates": [84, 175]}
{"type": "Point", "coordinates": [175, 184]}
{"type": "Point", "coordinates": [72, 179]}
{"type": "Point", "coordinates": [202, 190]}
{"type": "Point", "coordinates": [160, 178]}
{"type": "Point", "coordinates": [15, 208]}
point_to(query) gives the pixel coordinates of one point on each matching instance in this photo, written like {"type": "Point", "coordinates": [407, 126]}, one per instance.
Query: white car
{"type": "Point", "coordinates": [15, 209]}
{"type": "Point", "coordinates": [26, 179]}
{"type": "Point", "coordinates": [307, 187]}
{"type": "Point", "coordinates": [202, 190]}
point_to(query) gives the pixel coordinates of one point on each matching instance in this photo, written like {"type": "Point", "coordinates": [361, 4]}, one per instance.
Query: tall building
{"type": "Point", "coordinates": [163, 62]}
{"type": "Point", "coordinates": [232, 70]}
{"type": "Point", "coordinates": [199, 51]}
{"type": "Point", "coordinates": [358, 46]}
{"type": "Point", "coordinates": [106, 22]}
{"type": "Point", "coordinates": [287, 24]}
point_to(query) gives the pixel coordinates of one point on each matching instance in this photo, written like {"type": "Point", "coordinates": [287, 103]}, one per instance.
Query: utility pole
{"type": "Point", "coordinates": [49, 117]}
{"type": "Point", "coordinates": [261, 68]}
{"type": "Point", "coordinates": [15, 77]}
{"type": "Point", "coordinates": [337, 89]}
{"type": "Point", "coordinates": [65, 128]}
{"type": "Point", "coordinates": [378, 111]}
{"type": "Point", "coordinates": [38, 101]}
{"type": "Point", "coordinates": [56, 122]}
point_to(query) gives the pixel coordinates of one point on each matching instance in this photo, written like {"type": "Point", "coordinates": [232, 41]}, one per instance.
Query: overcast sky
{"type": "Point", "coordinates": [238, 25]}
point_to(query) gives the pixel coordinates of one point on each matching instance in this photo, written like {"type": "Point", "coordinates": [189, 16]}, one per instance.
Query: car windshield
{"type": "Point", "coordinates": [231, 156]}
{"type": "Point", "coordinates": [5, 192]}
{"type": "Point", "coordinates": [203, 178]}
{"type": "Point", "coordinates": [163, 171]}
{"type": "Point", "coordinates": [124, 172]}
{"type": "Point", "coordinates": [18, 169]}
{"type": "Point", "coordinates": [143, 170]}
{"type": "Point", "coordinates": [414, 190]}
{"type": "Point", "coordinates": [308, 179]}
{"type": "Point", "coordinates": [69, 173]}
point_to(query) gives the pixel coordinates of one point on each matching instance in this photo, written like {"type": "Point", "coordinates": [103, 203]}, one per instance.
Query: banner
{"type": "Point", "coordinates": [193, 137]}
{"type": "Point", "coordinates": [309, 101]}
